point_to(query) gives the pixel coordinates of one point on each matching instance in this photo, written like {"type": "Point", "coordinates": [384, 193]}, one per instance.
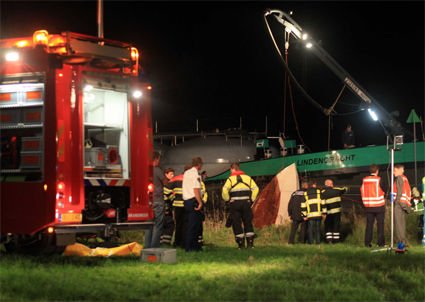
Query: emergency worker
{"type": "Point", "coordinates": [332, 196]}
{"type": "Point", "coordinates": [175, 194]}
{"type": "Point", "coordinates": [204, 196]}
{"type": "Point", "coordinates": [168, 230]}
{"type": "Point", "coordinates": [402, 196]}
{"type": "Point", "coordinates": [373, 198]}
{"type": "Point", "coordinates": [193, 204]}
{"type": "Point", "coordinates": [294, 212]}
{"type": "Point", "coordinates": [240, 191]}
{"type": "Point", "coordinates": [312, 209]}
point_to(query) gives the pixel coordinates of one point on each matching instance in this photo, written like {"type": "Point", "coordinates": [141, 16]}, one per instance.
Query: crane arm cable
{"type": "Point", "coordinates": [291, 75]}
{"type": "Point", "coordinates": [289, 72]}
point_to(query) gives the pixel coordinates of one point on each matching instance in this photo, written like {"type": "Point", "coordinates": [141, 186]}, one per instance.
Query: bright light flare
{"type": "Point", "coordinates": [40, 37]}
{"type": "Point", "coordinates": [373, 114]}
{"type": "Point", "coordinates": [61, 186]}
{"type": "Point", "coordinates": [88, 88]}
{"type": "Point", "coordinates": [305, 37]}
{"type": "Point", "coordinates": [137, 94]}
{"type": "Point", "coordinates": [12, 56]}
{"type": "Point", "coordinates": [150, 188]}
{"type": "Point", "coordinates": [22, 43]}
{"type": "Point", "coordinates": [309, 45]}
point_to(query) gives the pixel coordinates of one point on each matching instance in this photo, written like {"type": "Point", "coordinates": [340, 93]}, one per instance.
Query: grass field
{"type": "Point", "coordinates": [273, 271]}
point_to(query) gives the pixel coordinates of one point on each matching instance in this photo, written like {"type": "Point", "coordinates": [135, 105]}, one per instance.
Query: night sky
{"type": "Point", "coordinates": [215, 61]}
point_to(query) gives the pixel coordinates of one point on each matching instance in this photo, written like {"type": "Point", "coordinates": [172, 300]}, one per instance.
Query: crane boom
{"type": "Point", "coordinates": [389, 123]}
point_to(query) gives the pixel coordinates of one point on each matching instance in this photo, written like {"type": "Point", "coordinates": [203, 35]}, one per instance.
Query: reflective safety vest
{"type": "Point", "coordinates": [332, 197]}
{"type": "Point", "coordinates": [406, 193]}
{"type": "Point", "coordinates": [313, 205]}
{"type": "Point", "coordinates": [173, 191]}
{"type": "Point", "coordinates": [239, 186]}
{"type": "Point", "coordinates": [372, 194]}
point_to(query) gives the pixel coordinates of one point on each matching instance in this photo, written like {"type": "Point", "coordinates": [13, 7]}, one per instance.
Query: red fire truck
{"type": "Point", "coordinates": [76, 138]}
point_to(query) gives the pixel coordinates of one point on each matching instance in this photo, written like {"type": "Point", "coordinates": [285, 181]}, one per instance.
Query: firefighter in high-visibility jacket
{"type": "Point", "coordinates": [313, 209]}
{"type": "Point", "coordinates": [373, 198]}
{"type": "Point", "coordinates": [168, 227]}
{"type": "Point", "coordinates": [332, 196]}
{"type": "Point", "coordinates": [240, 191]}
{"type": "Point", "coordinates": [173, 191]}
{"type": "Point", "coordinates": [401, 196]}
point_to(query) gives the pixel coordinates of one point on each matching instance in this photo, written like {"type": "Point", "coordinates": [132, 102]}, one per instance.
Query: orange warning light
{"type": "Point", "coordinates": [40, 37]}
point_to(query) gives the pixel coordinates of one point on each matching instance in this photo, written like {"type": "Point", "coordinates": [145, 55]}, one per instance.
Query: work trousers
{"type": "Point", "coordinates": [194, 223]}
{"type": "Point", "coordinates": [180, 218]}
{"type": "Point", "coordinates": [294, 229]}
{"type": "Point", "coordinates": [332, 226]}
{"type": "Point", "coordinates": [314, 230]}
{"type": "Point", "coordinates": [399, 224]}
{"type": "Point", "coordinates": [241, 213]}
{"type": "Point", "coordinates": [370, 220]}
{"type": "Point", "coordinates": [152, 237]}
{"type": "Point", "coordinates": [168, 229]}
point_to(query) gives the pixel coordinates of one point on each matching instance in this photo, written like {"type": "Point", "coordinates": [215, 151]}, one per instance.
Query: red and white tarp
{"type": "Point", "coordinates": [271, 207]}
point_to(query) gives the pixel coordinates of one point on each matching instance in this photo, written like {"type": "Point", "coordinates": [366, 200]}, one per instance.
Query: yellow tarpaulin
{"type": "Point", "coordinates": [80, 250]}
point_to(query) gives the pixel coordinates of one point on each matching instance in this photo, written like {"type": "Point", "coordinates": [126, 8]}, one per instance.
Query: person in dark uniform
{"type": "Point", "coordinates": [332, 196]}
{"type": "Point", "coordinates": [313, 209]}
{"type": "Point", "coordinates": [193, 204]}
{"type": "Point", "coordinates": [294, 212]}
{"type": "Point", "coordinates": [169, 225]}
{"type": "Point", "coordinates": [348, 138]}
{"type": "Point", "coordinates": [240, 191]}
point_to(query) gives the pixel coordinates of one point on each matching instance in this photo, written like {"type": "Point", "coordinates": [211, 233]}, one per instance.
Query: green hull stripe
{"type": "Point", "coordinates": [332, 160]}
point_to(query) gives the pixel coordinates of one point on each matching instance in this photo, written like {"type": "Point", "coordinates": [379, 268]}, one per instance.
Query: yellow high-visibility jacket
{"type": "Point", "coordinates": [313, 205]}
{"type": "Point", "coordinates": [239, 186]}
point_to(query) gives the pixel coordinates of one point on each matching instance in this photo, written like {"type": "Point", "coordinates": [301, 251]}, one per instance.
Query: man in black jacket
{"type": "Point", "coordinates": [294, 212]}
{"type": "Point", "coordinates": [333, 201]}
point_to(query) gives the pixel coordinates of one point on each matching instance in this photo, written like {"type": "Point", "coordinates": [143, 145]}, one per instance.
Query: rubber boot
{"type": "Point", "coordinates": [241, 242]}
{"type": "Point", "coordinates": [250, 242]}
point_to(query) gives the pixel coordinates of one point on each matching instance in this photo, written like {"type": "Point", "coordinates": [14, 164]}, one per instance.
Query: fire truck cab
{"type": "Point", "coordinates": [76, 138]}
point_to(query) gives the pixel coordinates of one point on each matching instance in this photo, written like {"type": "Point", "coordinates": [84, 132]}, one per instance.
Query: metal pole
{"type": "Point", "coordinates": [240, 123]}
{"type": "Point", "coordinates": [100, 19]}
{"type": "Point", "coordinates": [197, 125]}
{"type": "Point", "coordinates": [156, 126]}
{"type": "Point", "coordinates": [266, 130]}
{"type": "Point", "coordinates": [392, 198]}
{"type": "Point", "coordinates": [414, 154]}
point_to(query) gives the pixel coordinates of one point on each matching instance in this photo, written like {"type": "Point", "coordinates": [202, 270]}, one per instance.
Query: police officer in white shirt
{"type": "Point", "coordinates": [193, 204]}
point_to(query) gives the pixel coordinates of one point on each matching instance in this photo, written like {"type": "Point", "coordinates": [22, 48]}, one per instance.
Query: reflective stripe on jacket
{"type": "Point", "coordinates": [406, 193]}
{"type": "Point", "coordinates": [372, 194]}
{"type": "Point", "coordinates": [173, 191]}
{"type": "Point", "coordinates": [239, 186]}
{"type": "Point", "coordinates": [313, 205]}
{"type": "Point", "coordinates": [332, 197]}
